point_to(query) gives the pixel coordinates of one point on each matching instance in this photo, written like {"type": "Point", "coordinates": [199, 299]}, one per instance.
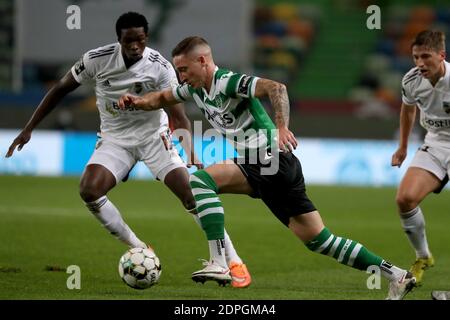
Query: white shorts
{"type": "Point", "coordinates": [159, 155]}
{"type": "Point", "coordinates": [435, 159]}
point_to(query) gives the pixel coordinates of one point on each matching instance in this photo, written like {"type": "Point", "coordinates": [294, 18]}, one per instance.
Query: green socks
{"type": "Point", "coordinates": [209, 208]}
{"type": "Point", "coordinates": [345, 251]}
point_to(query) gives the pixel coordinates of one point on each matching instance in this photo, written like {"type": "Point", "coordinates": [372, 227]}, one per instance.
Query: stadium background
{"type": "Point", "coordinates": [344, 86]}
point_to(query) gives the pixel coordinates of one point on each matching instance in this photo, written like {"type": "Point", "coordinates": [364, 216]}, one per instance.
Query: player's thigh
{"type": "Point", "coordinates": [424, 175]}
{"type": "Point", "coordinates": [417, 184]}
{"type": "Point", "coordinates": [229, 178]}
{"type": "Point", "coordinates": [96, 181]}
{"type": "Point", "coordinates": [108, 159]}
{"type": "Point", "coordinates": [160, 155]}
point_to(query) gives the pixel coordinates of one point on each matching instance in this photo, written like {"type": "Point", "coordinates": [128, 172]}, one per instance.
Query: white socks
{"type": "Point", "coordinates": [230, 252]}
{"type": "Point", "coordinates": [391, 272]}
{"type": "Point", "coordinates": [217, 252]}
{"type": "Point", "coordinates": [413, 223]}
{"type": "Point", "coordinates": [105, 211]}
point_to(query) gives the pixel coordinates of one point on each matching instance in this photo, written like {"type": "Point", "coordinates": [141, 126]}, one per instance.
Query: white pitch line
{"type": "Point", "coordinates": [83, 212]}
{"type": "Point", "coordinates": [14, 209]}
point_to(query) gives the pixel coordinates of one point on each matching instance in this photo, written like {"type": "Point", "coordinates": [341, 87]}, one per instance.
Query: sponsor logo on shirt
{"type": "Point", "coordinates": [223, 120]}
{"type": "Point", "coordinates": [114, 110]}
{"type": "Point", "coordinates": [436, 123]}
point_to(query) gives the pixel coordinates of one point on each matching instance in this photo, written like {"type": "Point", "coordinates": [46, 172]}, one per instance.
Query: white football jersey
{"type": "Point", "coordinates": [105, 69]}
{"type": "Point", "coordinates": [433, 102]}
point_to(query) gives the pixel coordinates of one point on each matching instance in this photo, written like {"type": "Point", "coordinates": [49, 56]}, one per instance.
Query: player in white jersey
{"type": "Point", "coordinates": [230, 103]}
{"type": "Point", "coordinates": [426, 86]}
{"type": "Point", "coordinates": [131, 135]}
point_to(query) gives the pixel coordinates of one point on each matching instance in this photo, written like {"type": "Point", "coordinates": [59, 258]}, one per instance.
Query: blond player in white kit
{"type": "Point", "coordinates": [426, 86]}
{"type": "Point", "coordinates": [130, 135]}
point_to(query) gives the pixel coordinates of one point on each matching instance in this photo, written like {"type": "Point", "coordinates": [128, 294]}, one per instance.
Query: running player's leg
{"type": "Point", "coordinates": [178, 182]}
{"type": "Point", "coordinates": [426, 174]}
{"type": "Point", "coordinates": [206, 184]}
{"type": "Point", "coordinates": [164, 162]}
{"type": "Point", "coordinates": [309, 228]}
{"type": "Point", "coordinates": [285, 195]}
{"type": "Point", "coordinates": [107, 166]}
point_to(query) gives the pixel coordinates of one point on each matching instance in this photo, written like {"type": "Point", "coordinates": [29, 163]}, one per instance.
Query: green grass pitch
{"type": "Point", "coordinates": [43, 222]}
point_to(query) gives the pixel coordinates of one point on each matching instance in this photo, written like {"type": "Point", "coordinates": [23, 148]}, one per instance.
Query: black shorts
{"type": "Point", "coordinates": [442, 186]}
{"type": "Point", "coordinates": [283, 192]}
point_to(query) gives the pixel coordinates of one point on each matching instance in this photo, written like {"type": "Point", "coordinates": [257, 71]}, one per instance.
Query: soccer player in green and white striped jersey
{"type": "Point", "coordinates": [230, 103]}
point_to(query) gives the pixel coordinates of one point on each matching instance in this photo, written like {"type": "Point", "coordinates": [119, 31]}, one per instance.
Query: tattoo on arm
{"type": "Point", "coordinates": [280, 102]}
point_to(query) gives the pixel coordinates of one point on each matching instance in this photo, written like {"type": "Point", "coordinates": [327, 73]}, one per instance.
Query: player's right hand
{"type": "Point", "coordinates": [20, 141]}
{"type": "Point", "coordinates": [398, 157]}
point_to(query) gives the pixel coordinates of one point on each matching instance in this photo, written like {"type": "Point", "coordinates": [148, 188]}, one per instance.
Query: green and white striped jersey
{"type": "Point", "coordinates": [232, 109]}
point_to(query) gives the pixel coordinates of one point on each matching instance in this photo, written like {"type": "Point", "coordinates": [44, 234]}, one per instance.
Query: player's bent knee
{"type": "Point", "coordinates": [406, 202]}
{"type": "Point", "coordinates": [90, 193]}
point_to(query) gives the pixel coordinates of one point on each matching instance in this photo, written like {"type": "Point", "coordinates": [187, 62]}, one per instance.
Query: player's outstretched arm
{"type": "Point", "coordinates": [407, 117]}
{"type": "Point", "coordinates": [48, 103]}
{"type": "Point", "coordinates": [279, 99]}
{"type": "Point", "coordinates": [150, 101]}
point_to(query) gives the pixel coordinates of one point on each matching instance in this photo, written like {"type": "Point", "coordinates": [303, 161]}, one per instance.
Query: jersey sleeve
{"type": "Point", "coordinates": [182, 92]}
{"type": "Point", "coordinates": [240, 85]}
{"type": "Point", "coordinates": [167, 77]}
{"type": "Point", "coordinates": [407, 83]}
{"type": "Point", "coordinates": [407, 97]}
{"type": "Point", "coordinates": [83, 70]}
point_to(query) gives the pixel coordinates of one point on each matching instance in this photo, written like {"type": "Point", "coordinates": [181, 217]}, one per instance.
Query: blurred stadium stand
{"type": "Point", "coordinates": [6, 42]}
{"type": "Point", "coordinates": [343, 79]}
{"type": "Point", "coordinates": [391, 58]}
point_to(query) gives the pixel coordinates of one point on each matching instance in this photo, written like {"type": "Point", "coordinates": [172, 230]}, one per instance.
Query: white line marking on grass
{"type": "Point", "coordinates": [83, 212]}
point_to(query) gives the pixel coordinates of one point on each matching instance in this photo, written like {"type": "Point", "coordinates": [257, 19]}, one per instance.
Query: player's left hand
{"type": "Point", "coordinates": [19, 141]}
{"type": "Point", "coordinates": [286, 140]}
{"type": "Point", "coordinates": [398, 157]}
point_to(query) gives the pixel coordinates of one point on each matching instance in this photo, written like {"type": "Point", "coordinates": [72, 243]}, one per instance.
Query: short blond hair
{"type": "Point", "coordinates": [188, 44]}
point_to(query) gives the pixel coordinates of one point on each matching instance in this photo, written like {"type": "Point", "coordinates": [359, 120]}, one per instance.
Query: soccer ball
{"type": "Point", "coordinates": [140, 268]}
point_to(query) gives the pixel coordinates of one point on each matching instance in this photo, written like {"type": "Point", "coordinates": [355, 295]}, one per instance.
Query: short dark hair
{"type": "Point", "coordinates": [131, 20]}
{"type": "Point", "coordinates": [187, 44]}
{"type": "Point", "coordinates": [430, 39]}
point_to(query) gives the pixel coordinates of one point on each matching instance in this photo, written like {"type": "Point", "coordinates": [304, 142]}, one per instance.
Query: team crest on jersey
{"type": "Point", "coordinates": [217, 101]}
{"type": "Point", "coordinates": [79, 66]}
{"type": "Point", "coordinates": [446, 106]}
